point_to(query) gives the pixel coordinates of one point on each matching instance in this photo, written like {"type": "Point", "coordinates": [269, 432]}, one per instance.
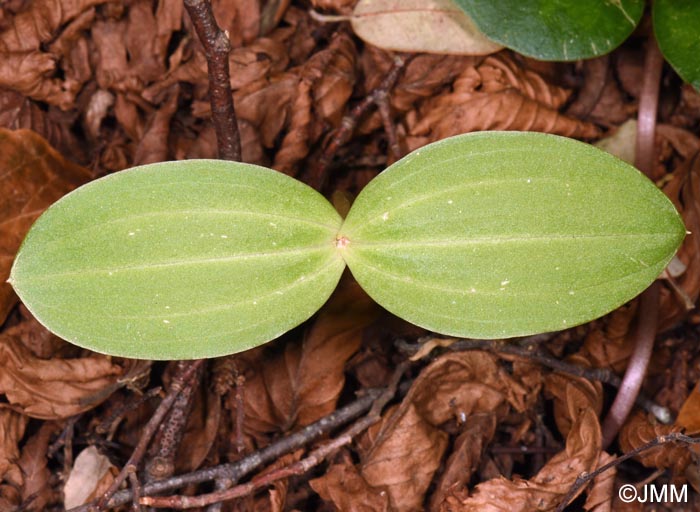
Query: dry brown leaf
{"type": "Point", "coordinates": [153, 146]}
{"type": "Point", "coordinates": [54, 388]}
{"type": "Point", "coordinates": [303, 383]}
{"type": "Point", "coordinates": [90, 476]}
{"type": "Point", "coordinates": [24, 67]}
{"type": "Point", "coordinates": [17, 112]}
{"type": "Point", "coordinates": [600, 495]}
{"type": "Point", "coordinates": [39, 22]}
{"type": "Point", "coordinates": [112, 67]}
{"type": "Point", "coordinates": [32, 176]}
{"type": "Point", "coordinates": [639, 429]}
{"type": "Point", "coordinates": [12, 427]}
{"type": "Point", "coordinates": [497, 94]}
{"type": "Point", "coordinates": [545, 490]}
{"type": "Point", "coordinates": [343, 486]}
{"type": "Point", "coordinates": [610, 346]}
{"type": "Point", "coordinates": [200, 432]}
{"type": "Point", "coordinates": [689, 415]}
{"type": "Point", "coordinates": [323, 91]}
{"type": "Point", "coordinates": [465, 458]}
{"type": "Point", "coordinates": [33, 462]}
{"type": "Point", "coordinates": [684, 190]}
{"type": "Point", "coordinates": [241, 19]}
{"type": "Point", "coordinates": [423, 77]}
{"type": "Point", "coordinates": [29, 72]}
{"type": "Point", "coordinates": [402, 453]}
{"type": "Point", "coordinates": [572, 395]}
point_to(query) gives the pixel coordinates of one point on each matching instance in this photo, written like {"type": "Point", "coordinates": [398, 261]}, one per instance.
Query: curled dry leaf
{"type": "Point", "coordinates": [424, 76]}
{"type": "Point", "coordinates": [466, 455]}
{"type": "Point", "coordinates": [684, 191]}
{"type": "Point", "coordinates": [610, 346]}
{"type": "Point", "coordinates": [497, 94]}
{"type": "Point", "coordinates": [303, 383]}
{"type": "Point", "coordinates": [639, 429]}
{"type": "Point", "coordinates": [52, 388]}
{"type": "Point", "coordinates": [572, 395]}
{"type": "Point", "coordinates": [32, 176]}
{"type": "Point", "coordinates": [153, 146]}
{"type": "Point", "coordinates": [577, 403]}
{"type": "Point", "coordinates": [33, 462]}
{"type": "Point", "coordinates": [600, 495]}
{"type": "Point", "coordinates": [18, 111]}
{"type": "Point", "coordinates": [12, 428]}
{"type": "Point", "coordinates": [546, 489]}
{"type": "Point", "coordinates": [325, 85]}
{"type": "Point", "coordinates": [25, 67]}
{"type": "Point", "coordinates": [402, 453]}
{"type": "Point", "coordinates": [689, 415]}
{"type": "Point", "coordinates": [343, 486]}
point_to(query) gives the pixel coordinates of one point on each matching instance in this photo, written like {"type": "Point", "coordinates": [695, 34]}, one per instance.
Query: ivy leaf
{"type": "Point", "coordinates": [180, 260]}
{"type": "Point", "coordinates": [556, 29]}
{"type": "Point", "coordinates": [433, 26]}
{"type": "Point", "coordinates": [676, 29]}
{"type": "Point", "coordinates": [505, 234]}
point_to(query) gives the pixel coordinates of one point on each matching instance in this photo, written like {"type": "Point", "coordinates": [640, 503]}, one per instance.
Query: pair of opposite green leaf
{"type": "Point", "coordinates": [482, 235]}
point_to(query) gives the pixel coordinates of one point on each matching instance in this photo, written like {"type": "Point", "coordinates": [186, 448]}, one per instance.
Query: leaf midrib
{"type": "Point", "coordinates": [177, 263]}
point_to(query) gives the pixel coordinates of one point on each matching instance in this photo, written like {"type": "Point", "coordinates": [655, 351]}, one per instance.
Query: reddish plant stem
{"type": "Point", "coordinates": [648, 313]}
{"type": "Point", "coordinates": [217, 48]}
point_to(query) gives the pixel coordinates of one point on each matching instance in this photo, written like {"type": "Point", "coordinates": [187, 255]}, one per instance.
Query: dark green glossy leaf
{"type": "Point", "coordinates": [504, 234]}
{"type": "Point", "coordinates": [677, 29]}
{"type": "Point", "coordinates": [180, 260]}
{"type": "Point", "coordinates": [556, 29]}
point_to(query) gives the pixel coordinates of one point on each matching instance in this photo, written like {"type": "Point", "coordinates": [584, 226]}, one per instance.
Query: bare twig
{"type": "Point", "coordinates": [236, 470]}
{"type": "Point", "coordinates": [161, 461]}
{"type": "Point", "coordinates": [216, 48]}
{"type": "Point", "coordinates": [149, 430]}
{"type": "Point", "coordinates": [347, 126]}
{"type": "Point", "coordinates": [585, 478]}
{"type": "Point", "coordinates": [527, 348]}
{"type": "Point", "coordinates": [298, 468]}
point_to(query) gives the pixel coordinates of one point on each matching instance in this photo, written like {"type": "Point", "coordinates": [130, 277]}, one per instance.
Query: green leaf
{"type": "Point", "coordinates": [676, 25]}
{"type": "Point", "coordinates": [433, 26]}
{"type": "Point", "coordinates": [504, 234]}
{"type": "Point", "coordinates": [180, 260]}
{"type": "Point", "coordinates": [556, 29]}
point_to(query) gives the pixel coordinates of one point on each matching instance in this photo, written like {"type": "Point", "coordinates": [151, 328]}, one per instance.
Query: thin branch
{"type": "Point", "coordinates": [379, 97]}
{"type": "Point", "coordinates": [179, 381]}
{"type": "Point", "coordinates": [236, 470]}
{"type": "Point", "coordinates": [298, 468]}
{"type": "Point", "coordinates": [584, 478]}
{"type": "Point", "coordinates": [527, 349]}
{"type": "Point", "coordinates": [217, 48]}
